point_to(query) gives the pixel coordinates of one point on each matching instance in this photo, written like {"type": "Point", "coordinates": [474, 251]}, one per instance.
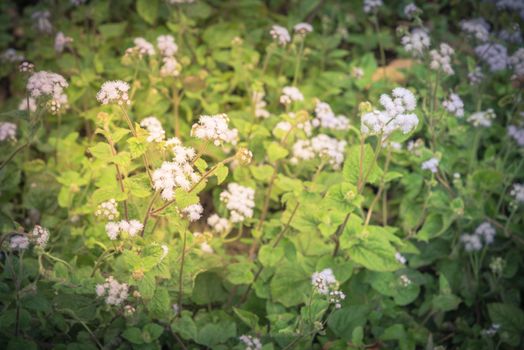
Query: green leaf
{"type": "Point", "coordinates": [270, 256]}
{"type": "Point", "coordinates": [138, 186]}
{"type": "Point", "coordinates": [276, 152]}
{"type": "Point", "coordinates": [133, 335]}
{"type": "Point", "coordinates": [221, 173]}
{"type": "Point", "coordinates": [344, 321]}
{"type": "Point", "coordinates": [185, 199]}
{"type": "Point", "coordinates": [290, 285]}
{"type": "Point", "coordinates": [147, 286]}
{"type": "Point", "coordinates": [101, 151]}
{"type": "Point", "coordinates": [509, 317]}
{"type": "Point", "coordinates": [185, 326]}
{"type": "Point", "coordinates": [240, 273]}
{"type": "Point", "coordinates": [247, 317]}
{"type": "Point", "coordinates": [112, 30]}
{"type": "Point", "coordinates": [374, 253]}
{"type": "Point", "coordinates": [160, 305]}
{"type": "Point", "coordinates": [352, 165]}
{"type": "Point", "coordinates": [434, 225]}
{"type": "Point", "coordinates": [262, 172]}
{"type": "Point", "coordinates": [213, 334]}
{"type": "Point", "coordinates": [152, 332]}
{"type": "Point", "coordinates": [148, 10]}
{"type": "Point", "coordinates": [201, 165]}
{"type": "Point", "coordinates": [137, 146]}
{"type": "Point", "coordinates": [208, 289]}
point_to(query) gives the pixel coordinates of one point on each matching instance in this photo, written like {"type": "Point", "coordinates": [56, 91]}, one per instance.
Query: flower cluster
{"type": "Point", "coordinates": [491, 331]}
{"type": "Point", "coordinates": [260, 105]}
{"type": "Point", "coordinates": [485, 232]}
{"type": "Point", "coordinates": [404, 281]}
{"type": "Point", "coordinates": [166, 45]}
{"type": "Point", "coordinates": [441, 59]}
{"type": "Point", "coordinates": [321, 146]}
{"type": "Point", "coordinates": [26, 67]}
{"type": "Point", "coordinates": [27, 102]}
{"type": "Point", "coordinates": [416, 42]}
{"type": "Point", "coordinates": [19, 242]}
{"type": "Point", "coordinates": [7, 131]}
{"type": "Point", "coordinates": [40, 236]}
{"type": "Point", "coordinates": [476, 76]}
{"type": "Point", "coordinates": [154, 128]}
{"type": "Point", "coordinates": [325, 283]}
{"type": "Point", "coordinates": [239, 200]}
{"type": "Point", "coordinates": [142, 48]}
{"type": "Point", "coordinates": [132, 227]}
{"type": "Point", "coordinates": [371, 6]}
{"type": "Point", "coordinates": [400, 258]}
{"type": "Point", "coordinates": [41, 21]}
{"type": "Point", "coordinates": [454, 105]}
{"type": "Point", "coordinates": [48, 85]}
{"type": "Point", "coordinates": [174, 174]}
{"type": "Point", "coordinates": [325, 118]}
{"type": "Point", "coordinates": [218, 224]}
{"type": "Point", "coordinates": [214, 128]}
{"type": "Point", "coordinates": [517, 192]}
{"type": "Point", "coordinates": [516, 134]}
{"type": "Point", "coordinates": [478, 28]}
{"type": "Point", "coordinates": [517, 62]}
{"type": "Point", "coordinates": [394, 117]}
{"type": "Point", "coordinates": [431, 165]}
{"type": "Point", "coordinates": [115, 293]}
{"type": "Point", "coordinates": [303, 28]}
{"type": "Point", "coordinates": [251, 343]}
{"type": "Point", "coordinates": [61, 42]}
{"type": "Point", "coordinates": [290, 94]}
{"type": "Point", "coordinates": [482, 118]}
{"type": "Point", "coordinates": [494, 55]}
{"type": "Point", "coordinates": [280, 34]}
{"type": "Point", "coordinates": [114, 92]}
{"type": "Point", "coordinates": [107, 210]}
{"type": "Point", "coordinates": [411, 10]}
{"type": "Point", "coordinates": [10, 55]}
{"type": "Point", "coordinates": [193, 212]}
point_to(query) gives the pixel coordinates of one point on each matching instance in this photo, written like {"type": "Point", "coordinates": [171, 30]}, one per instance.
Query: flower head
{"type": "Point", "coordinates": [214, 128]}
{"type": "Point", "coordinates": [114, 92]}
{"type": "Point", "coordinates": [280, 34]}
{"type": "Point", "coordinates": [239, 200]}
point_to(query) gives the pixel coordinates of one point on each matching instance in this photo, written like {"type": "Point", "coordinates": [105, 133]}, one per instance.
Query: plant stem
{"type": "Point", "coordinates": [180, 277]}
{"type": "Point", "coordinates": [297, 64]}
{"type": "Point", "coordinates": [148, 213]}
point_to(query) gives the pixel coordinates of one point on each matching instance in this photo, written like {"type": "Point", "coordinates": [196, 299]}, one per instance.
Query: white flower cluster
{"type": "Point", "coordinates": [166, 45]}
{"type": "Point", "coordinates": [474, 242]}
{"type": "Point", "coordinates": [491, 331]}
{"type": "Point", "coordinates": [325, 118]}
{"type": "Point", "coordinates": [280, 34]}
{"type": "Point", "coordinates": [142, 47]}
{"type": "Point", "coordinates": [400, 258]}
{"type": "Point", "coordinates": [49, 85]}
{"type": "Point", "coordinates": [27, 102]}
{"type": "Point", "coordinates": [218, 224]}
{"type": "Point", "coordinates": [411, 10]}
{"type": "Point", "coordinates": [404, 280]}
{"type": "Point", "coordinates": [454, 105]}
{"type": "Point", "coordinates": [325, 283]}
{"type": "Point", "coordinates": [357, 73]}
{"type": "Point", "coordinates": [204, 245]}
{"type": "Point", "coordinates": [132, 227]}
{"type": "Point", "coordinates": [416, 42]}
{"type": "Point", "coordinates": [40, 236]}
{"type": "Point", "coordinates": [476, 76]}
{"type": "Point", "coordinates": [115, 293]}
{"type": "Point", "coordinates": [10, 55]}
{"type": "Point", "coordinates": [303, 28]}
{"type": "Point", "coordinates": [7, 131]}
{"type": "Point", "coordinates": [290, 94]}
{"type": "Point", "coordinates": [214, 128]}
{"type": "Point", "coordinates": [372, 5]}
{"type": "Point", "coordinates": [517, 192]}
{"type": "Point", "coordinates": [193, 212]}
{"type": "Point", "coordinates": [19, 242]}
{"type": "Point", "coordinates": [512, 35]}
{"type": "Point", "coordinates": [115, 91]}
{"type": "Point", "coordinates": [394, 117]}
{"type": "Point", "coordinates": [431, 165]}
{"type": "Point", "coordinates": [517, 62]}
{"type": "Point", "coordinates": [494, 55]}
{"type": "Point", "coordinates": [441, 59]}
{"type": "Point", "coordinates": [26, 67]}
{"type": "Point", "coordinates": [477, 28]}
{"type": "Point", "coordinates": [41, 21]}
{"type": "Point", "coordinates": [154, 128]}
{"type": "Point", "coordinates": [516, 134]}
{"type": "Point", "coordinates": [260, 104]}
{"type": "Point", "coordinates": [321, 146]}
{"type": "Point", "coordinates": [251, 343]}
{"type": "Point", "coordinates": [482, 118]}
{"type": "Point", "coordinates": [239, 200]}
{"type": "Point", "coordinates": [171, 67]}
{"type": "Point", "coordinates": [61, 41]}
{"type": "Point", "coordinates": [107, 210]}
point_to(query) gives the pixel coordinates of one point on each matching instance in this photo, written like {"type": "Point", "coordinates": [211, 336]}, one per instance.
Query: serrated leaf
{"type": "Point", "coordinates": [370, 171]}
{"type": "Point", "coordinates": [221, 173]}
{"type": "Point", "coordinates": [148, 10]}
{"type": "Point", "coordinates": [276, 152]}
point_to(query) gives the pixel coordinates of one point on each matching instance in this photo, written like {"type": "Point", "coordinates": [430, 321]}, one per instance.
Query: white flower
{"type": "Point", "coordinates": [517, 192]}
{"type": "Point", "coordinates": [336, 297]}
{"type": "Point", "coordinates": [476, 76]}
{"type": "Point", "coordinates": [260, 105]}
{"type": "Point", "coordinates": [357, 72]}
{"type": "Point", "coordinates": [132, 227]}
{"type": "Point", "coordinates": [486, 231]}
{"type": "Point", "coordinates": [154, 127]}
{"type": "Point", "coordinates": [321, 146]}
{"type": "Point", "coordinates": [491, 331]}
{"type": "Point", "coordinates": [112, 230]}
{"type": "Point", "coordinates": [165, 251]}
{"type": "Point", "coordinates": [441, 59]}
{"type": "Point", "coordinates": [214, 128]}
{"type": "Point", "coordinates": [431, 165]}
{"type": "Point", "coordinates": [482, 119]}
{"type": "Point", "coordinates": [454, 105]}
{"type": "Point", "coordinates": [206, 248]}
{"type": "Point", "coordinates": [303, 28]}
{"type": "Point", "coordinates": [372, 5]}
{"type": "Point", "coordinates": [25, 103]}
{"type": "Point", "coordinates": [416, 42]}
{"type": "Point", "coordinates": [250, 342]}
{"type": "Point", "coordinates": [410, 10]}
{"type": "Point", "coordinates": [494, 55]}
{"type": "Point", "coordinates": [61, 41]}
{"type": "Point", "coordinates": [10, 55]}
{"type": "Point", "coordinates": [239, 200]}
{"type": "Point", "coordinates": [40, 236]}
{"type": "Point", "coordinates": [517, 62]}
{"type": "Point", "coordinates": [144, 47]}
{"type": "Point", "coordinates": [193, 212]}
{"type": "Point", "coordinates": [47, 84]}
{"type": "Point", "coordinates": [114, 92]}
{"type": "Point", "coordinates": [324, 281]}
{"type": "Point", "coordinates": [107, 210]}
{"type": "Point", "coordinates": [512, 35]}
{"type": "Point", "coordinates": [170, 68]}
{"type": "Point", "coordinates": [290, 94]}
{"type": "Point", "coordinates": [7, 131]}
{"type": "Point", "coordinates": [478, 28]}
{"type": "Point", "coordinates": [474, 242]}
{"type": "Point", "coordinates": [115, 293]}
{"type": "Point", "coordinates": [41, 21]}
{"type": "Point", "coordinates": [400, 258]}
{"type": "Point", "coordinates": [19, 242]}
{"type": "Point", "coordinates": [280, 34]}
{"type": "Point", "coordinates": [166, 45]}
{"type": "Point", "coordinates": [404, 281]}
{"type": "Point", "coordinates": [218, 224]}
{"type": "Point", "coordinates": [325, 118]}
{"type": "Point", "coordinates": [26, 67]}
